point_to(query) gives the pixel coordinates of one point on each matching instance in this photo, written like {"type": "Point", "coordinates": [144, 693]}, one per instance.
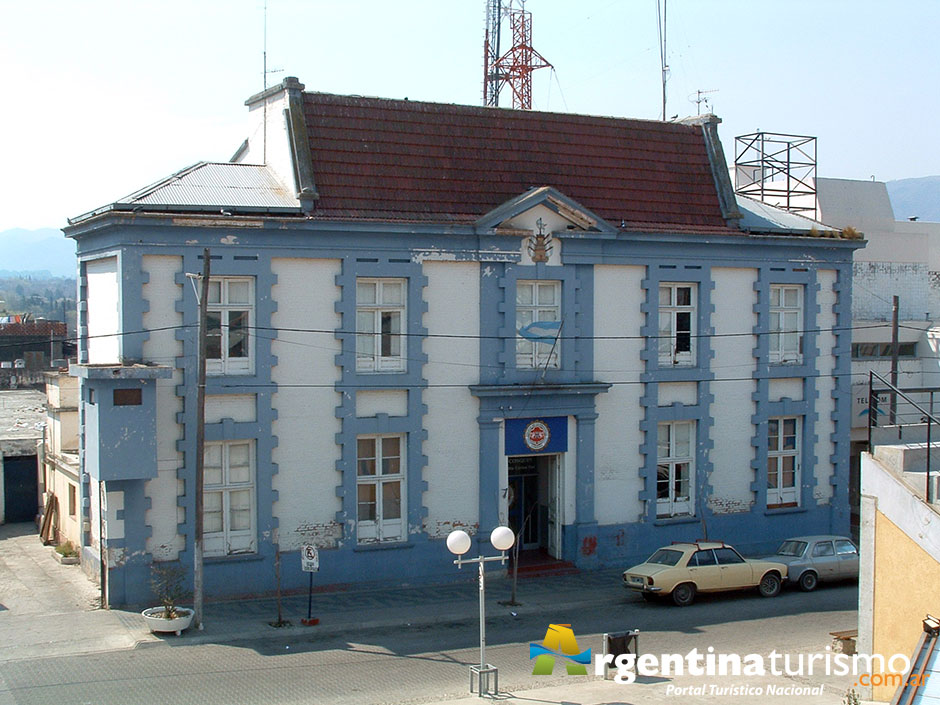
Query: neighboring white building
{"type": "Point", "coordinates": [59, 463]}
{"type": "Point", "coordinates": [902, 258]}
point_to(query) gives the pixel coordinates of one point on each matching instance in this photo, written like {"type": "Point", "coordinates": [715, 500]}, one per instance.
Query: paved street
{"type": "Point", "coordinates": [403, 645]}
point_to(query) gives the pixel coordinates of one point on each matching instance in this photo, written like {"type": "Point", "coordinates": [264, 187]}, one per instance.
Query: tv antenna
{"type": "Point", "coordinates": [264, 74]}
{"type": "Point", "coordinates": [700, 98]}
{"type": "Point", "coordinates": [663, 66]}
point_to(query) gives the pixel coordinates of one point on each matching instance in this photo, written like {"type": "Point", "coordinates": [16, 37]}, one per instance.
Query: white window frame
{"type": "Point", "coordinates": [382, 479]}
{"type": "Point", "coordinates": [786, 324]}
{"type": "Point", "coordinates": [784, 457]}
{"type": "Point", "coordinates": [379, 346]}
{"type": "Point", "coordinates": [672, 459]}
{"type": "Point", "coordinates": [542, 302]}
{"type": "Point", "coordinates": [229, 539]}
{"type": "Point", "coordinates": [674, 330]}
{"type": "Point", "coordinates": [224, 302]}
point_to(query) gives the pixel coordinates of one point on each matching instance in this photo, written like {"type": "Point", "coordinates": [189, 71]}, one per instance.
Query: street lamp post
{"type": "Point", "coordinates": [458, 543]}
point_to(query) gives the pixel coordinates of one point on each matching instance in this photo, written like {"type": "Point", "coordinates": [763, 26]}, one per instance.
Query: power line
{"type": "Point", "coordinates": [464, 336]}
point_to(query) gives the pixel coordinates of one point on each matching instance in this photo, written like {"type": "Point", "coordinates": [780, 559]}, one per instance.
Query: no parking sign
{"type": "Point", "coordinates": [309, 559]}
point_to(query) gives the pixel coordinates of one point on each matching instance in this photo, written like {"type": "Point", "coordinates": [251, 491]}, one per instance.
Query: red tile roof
{"type": "Point", "coordinates": [43, 328]}
{"type": "Point", "coordinates": [381, 159]}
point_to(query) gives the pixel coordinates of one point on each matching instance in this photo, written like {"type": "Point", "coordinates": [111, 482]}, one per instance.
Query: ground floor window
{"type": "Point", "coordinates": [783, 462]}
{"type": "Point", "coordinates": [674, 468]}
{"type": "Point", "coordinates": [229, 499]}
{"type": "Point", "coordinates": [380, 482]}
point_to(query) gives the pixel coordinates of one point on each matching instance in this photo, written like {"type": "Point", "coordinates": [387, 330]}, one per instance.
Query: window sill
{"type": "Point", "coordinates": [382, 546]}
{"type": "Point", "coordinates": [784, 510]}
{"type": "Point", "coordinates": [684, 519]}
{"type": "Point", "coordinates": [235, 558]}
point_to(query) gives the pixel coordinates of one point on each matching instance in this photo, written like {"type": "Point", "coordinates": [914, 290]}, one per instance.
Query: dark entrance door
{"type": "Point", "coordinates": [524, 501]}
{"type": "Point", "coordinates": [20, 489]}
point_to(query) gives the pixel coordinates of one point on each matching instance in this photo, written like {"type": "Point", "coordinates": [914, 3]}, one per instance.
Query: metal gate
{"type": "Point", "coordinates": [20, 489]}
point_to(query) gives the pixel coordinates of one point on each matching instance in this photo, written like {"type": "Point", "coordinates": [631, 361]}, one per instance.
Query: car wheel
{"type": "Point", "coordinates": [649, 597]}
{"type": "Point", "coordinates": [769, 585]}
{"type": "Point", "coordinates": [808, 581]}
{"type": "Point", "coordinates": [683, 594]}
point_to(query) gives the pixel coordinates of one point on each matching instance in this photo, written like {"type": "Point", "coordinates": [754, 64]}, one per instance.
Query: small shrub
{"type": "Point", "coordinates": [166, 581]}
{"type": "Point", "coordinates": [67, 550]}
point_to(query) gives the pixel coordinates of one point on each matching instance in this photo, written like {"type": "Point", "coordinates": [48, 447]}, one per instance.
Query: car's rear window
{"type": "Point", "coordinates": [791, 548]}
{"type": "Point", "coordinates": [665, 556]}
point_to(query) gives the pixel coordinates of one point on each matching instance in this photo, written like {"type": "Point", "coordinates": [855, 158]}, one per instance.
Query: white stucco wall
{"type": "Point", "coordinates": [617, 451]}
{"type": "Point", "coordinates": [789, 388]}
{"type": "Point", "coordinates": [390, 402]}
{"type": "Point", "coordinates": [103, 302]}
{"type": "Point", "coordinates": [825, 404]}
{"type": "Point", "coordinates": [733, 298]}
{"type": "Point", "coordinates": [453, 443]}
{"type": "Point", "coordinates": [241, 408]}
{"type": "Point", "coordinates": [306, 424]}
{"type": "Point", "coordinates": [678, 393]}
{"type": "Point", "coordinates": [161, 347]}
{"type": "Point", "coordinates": [276, 153]}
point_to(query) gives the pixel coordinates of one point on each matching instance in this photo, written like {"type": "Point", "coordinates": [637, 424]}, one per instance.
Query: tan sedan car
{"type": "Point", "coordinates": [684, 569]}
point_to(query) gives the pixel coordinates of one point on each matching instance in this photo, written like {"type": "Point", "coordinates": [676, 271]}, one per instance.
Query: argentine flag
{"type": "Point", "coordinates": [541, 331]}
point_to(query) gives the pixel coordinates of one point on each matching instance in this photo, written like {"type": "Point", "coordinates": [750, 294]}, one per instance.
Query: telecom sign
{"type": "Point", "coordinates": [309, 559]}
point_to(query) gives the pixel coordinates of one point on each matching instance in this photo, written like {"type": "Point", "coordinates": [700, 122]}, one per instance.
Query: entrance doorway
{"type": "Point", "coordinates": [535, 502]}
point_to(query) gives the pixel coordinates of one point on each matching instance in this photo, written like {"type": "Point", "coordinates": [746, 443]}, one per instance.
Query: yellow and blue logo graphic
{"type": "Point", "coordinates": [559, 642]}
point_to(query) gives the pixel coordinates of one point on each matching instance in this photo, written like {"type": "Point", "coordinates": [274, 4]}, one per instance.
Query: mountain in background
{"type": "Point", "coordinates": [916, 197]}
{"type": "Point", "coordinates": [35, 252]}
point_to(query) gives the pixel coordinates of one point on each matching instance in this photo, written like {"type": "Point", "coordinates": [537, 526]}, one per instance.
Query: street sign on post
{"type": "Point", "coordinates": [309, 559]}
{"type": "Point", "coordinates": [309, 563]}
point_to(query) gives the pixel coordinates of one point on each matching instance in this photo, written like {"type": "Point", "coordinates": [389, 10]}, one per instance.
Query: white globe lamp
{"type": "Point", "coordinates": [458, 542]}
{"type": "Point", "coordinates": [502, 538]}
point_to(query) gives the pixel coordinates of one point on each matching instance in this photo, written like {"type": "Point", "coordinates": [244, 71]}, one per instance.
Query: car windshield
{"type": "Point", "coordinates": [665, 556]}
{"type": "Point", "coordinates": [791, 548]}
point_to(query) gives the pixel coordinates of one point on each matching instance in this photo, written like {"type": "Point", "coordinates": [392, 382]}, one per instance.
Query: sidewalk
{"type": "Point", "coordinates": [48, 609]}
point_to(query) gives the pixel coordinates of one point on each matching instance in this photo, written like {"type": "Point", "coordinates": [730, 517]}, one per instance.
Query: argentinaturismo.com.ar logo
{"type": "Point", "coordinates": [559, 642]}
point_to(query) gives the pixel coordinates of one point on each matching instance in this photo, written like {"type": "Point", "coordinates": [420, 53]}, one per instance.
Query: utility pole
{"type": "Point", "coordinates": [200, 439]}
{"type": "Point", "coordinates": [894, 361]}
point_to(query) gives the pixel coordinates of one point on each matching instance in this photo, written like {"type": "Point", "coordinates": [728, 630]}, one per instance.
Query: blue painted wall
{"type": "Point", "coordinates": [503, 390]}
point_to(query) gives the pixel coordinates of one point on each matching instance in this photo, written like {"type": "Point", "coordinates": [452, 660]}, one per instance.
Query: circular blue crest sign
{"type": "Point", "coordinates": [536, 435]}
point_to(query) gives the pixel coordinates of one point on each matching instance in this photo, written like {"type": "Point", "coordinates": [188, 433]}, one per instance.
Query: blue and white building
{"type": "Point", "coordinates": [425, 317]}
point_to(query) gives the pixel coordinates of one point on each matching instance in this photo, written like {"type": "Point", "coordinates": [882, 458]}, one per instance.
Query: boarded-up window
{"type": "Point", "coordinates": [128, 397]}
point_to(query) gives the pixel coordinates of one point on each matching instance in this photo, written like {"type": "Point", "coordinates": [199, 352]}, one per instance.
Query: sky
{"type": "Point", "coordinates": [102, 97]}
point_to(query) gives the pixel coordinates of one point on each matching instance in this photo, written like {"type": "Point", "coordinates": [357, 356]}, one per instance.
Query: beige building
{"type": "Point", "coordinates": [59, 481]}
{"type": "Point", "coordinates": [899, 580]}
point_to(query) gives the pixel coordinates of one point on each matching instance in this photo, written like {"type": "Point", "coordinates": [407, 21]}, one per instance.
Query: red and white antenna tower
{"type": "Point", "coordinates": [515, 67]}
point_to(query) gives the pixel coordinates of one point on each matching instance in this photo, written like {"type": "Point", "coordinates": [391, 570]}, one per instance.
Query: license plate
{"type": "Point", "coordinates": [636, 579]}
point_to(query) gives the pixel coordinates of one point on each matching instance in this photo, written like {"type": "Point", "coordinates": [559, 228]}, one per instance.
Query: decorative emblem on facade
{"type": "Point", "coordinates": [540, 244]}
{"type": "Point", "coordinates": [536, 435]}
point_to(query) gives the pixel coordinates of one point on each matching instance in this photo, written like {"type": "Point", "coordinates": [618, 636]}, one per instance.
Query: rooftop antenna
{"type": "Point", "coordinates": [664, 67]}
{"type": "Point", "coordinates": [700, 98]}
{"type": "Point", "coordinates": [264, 73]}
{"type": "Point", "coordinates": [515, 67]}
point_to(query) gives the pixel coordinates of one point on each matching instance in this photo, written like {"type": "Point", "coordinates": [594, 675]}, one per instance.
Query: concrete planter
{"type": "Point", "coordinates": [65, 560]}
{"type": "Point", "coordinates": [154, 618]}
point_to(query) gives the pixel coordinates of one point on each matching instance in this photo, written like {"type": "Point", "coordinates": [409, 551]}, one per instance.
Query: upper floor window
{"type": "Point", "coordinates": [380, 480]}
{"type": "Point", "coordinates": [783, 462]}
{"type": "Point", "coordinates": [674, 468]}
{"type": "Point", "coordinates": [380, 313]}
{"type": "Point", "coordinates": [229, 319]}
{"type": "Point", "coordinates": [229, 498]}
{"type": "Point", "coordinates": [677, 324]}
{"type": "Point", "coordinates": [786, 323]}
{"type": "Point", "coordinates": [861, 351]}
{"type": "Point", "coordinates": [538, 324]}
